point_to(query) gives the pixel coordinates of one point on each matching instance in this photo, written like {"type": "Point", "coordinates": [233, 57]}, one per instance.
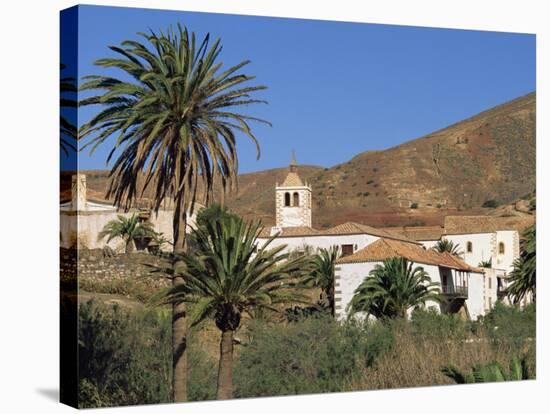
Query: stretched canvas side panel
{"type": "Point", "coordinates": [68, 219]}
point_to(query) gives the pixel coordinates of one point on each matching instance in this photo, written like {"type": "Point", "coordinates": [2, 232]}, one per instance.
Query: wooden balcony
{"type": "Point", "coordinates": [455, 291]}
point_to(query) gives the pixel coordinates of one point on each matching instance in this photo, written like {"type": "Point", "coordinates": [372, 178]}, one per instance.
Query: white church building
{"type": "Point", "coordinates": [83, 218]}
{"type": "Point", "coordinates": [468, 288]}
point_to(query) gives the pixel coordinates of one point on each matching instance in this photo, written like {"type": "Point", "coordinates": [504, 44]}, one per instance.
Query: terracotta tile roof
{"type": "Point", "coordinates": [292, 180]}
{"type": "Point", "coordinates": [385, 249]}
{"type": "Point", "coordinates": [485, 224]}
{"type": "Point", "coordinates": [356, 228]}
{"type": "Point", "coordinates": [418, 233]}
{"type": "Point", "coordinates": [291, 232]}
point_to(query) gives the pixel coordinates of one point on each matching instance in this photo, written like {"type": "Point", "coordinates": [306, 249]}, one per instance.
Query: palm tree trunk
{"type": "Point", "coordinates": [179, 321]}
{"type": "Point", "coordinates": [330, 295]}
{"type": "Point", "coordinates": [225, 370]}
{"type": "Point", "coordinates": [129, 246]}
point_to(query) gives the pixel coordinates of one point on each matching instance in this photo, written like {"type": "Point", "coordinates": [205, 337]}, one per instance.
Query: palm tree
{"type": "Point", "coordinates": [523, 278]}
{"type": "Point", "coordinates": [492, 372]}
{"type": "Point", "coordinates": [487, 264]}
{"type": "Point", "coordinates": [448, 246]}
{"type": "Point", "coordinates": [392, 288]}
{"type": "Point", "coordinates": [322, 274]}
{"type": "Point", "coordinates": [176, 124]}
{"type": "Point", "coordinates": [227, 275]}
{"type": "Point", "coordinates": [67, 89]}
{"type": "Point", "coordinates": [158, 240]}
{"type": "Point", "coordinates": [214, 211]}
{"type": "Point", "coordinates": [127, 228]}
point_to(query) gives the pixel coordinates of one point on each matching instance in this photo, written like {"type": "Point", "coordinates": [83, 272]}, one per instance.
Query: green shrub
{"type": "Point", "coordinates": [312, 355]}
{"type": "Point", "coordinates": [125, 358]}
{"type": "Point", "coordinates": [430, 324]}
{"type": "Point", "coordinates": [510, 325]}
{"type": "Point", "coordinates": [490, 204]}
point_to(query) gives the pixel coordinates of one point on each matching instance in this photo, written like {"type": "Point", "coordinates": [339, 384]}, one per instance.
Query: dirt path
{"type": "Point", "coordinates": [108, 299]}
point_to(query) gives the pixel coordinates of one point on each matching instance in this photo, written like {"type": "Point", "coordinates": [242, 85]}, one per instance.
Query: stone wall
{"type": "Point", "coordinates": [93, 266]}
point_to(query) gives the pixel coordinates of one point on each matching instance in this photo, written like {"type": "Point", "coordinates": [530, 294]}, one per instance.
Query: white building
{"type": "Point", "coordinates": [83, 219]}
{"type": "Point", "coordinates": [468, 288]}
{"type": "Point", "coordinates": [461, 285]}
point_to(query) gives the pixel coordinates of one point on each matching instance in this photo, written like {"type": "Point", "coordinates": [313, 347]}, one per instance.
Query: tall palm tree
{"type": "Point", "coordinates": [322, 274]}
{"type": "Point", "coordinates": [491, 372]}
{"type": "Point", "coordinates": [228, 274]}
{"type": "Point", "coordinates": [523, 278]}
{"type": "Point", "coordinates": [127, 228]}
{"type": "Point", "coordinates": [448, 246]}
{"type": "Point", "coordinates": [392, 288]}
{"type": "Point", "coordinates": [68, 131]}
{"type": "Point", "coordinates": [176, 123]}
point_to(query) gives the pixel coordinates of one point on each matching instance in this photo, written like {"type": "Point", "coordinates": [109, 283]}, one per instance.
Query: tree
{"type": "Point", "coordinates": [128, 229]}
{"type": "Point", "coordinates": [214, 211]}
{"type": "Point", "coordinates": [68, 131]}
{"type": "Point", "coordinates": [176, 124]}
{"type": "Point", "coordinates": [492, 372]}
{"type": "Point", "coordinates": [322, 274]}
{"type": "Point", "coordinates": [448, 246]}
{"type": "Point", "coordinates": [227, 275]}
{"type": "Point", "coordinates": [523, 278]}
{"type": "Point", "coordinates": [392, 288]}
{"type": "Point", "coordinates": [487, 264]}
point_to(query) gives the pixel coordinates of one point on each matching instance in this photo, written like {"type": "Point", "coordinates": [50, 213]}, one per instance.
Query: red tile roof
{"type": "Point", "coordinates": [486, 224]}
{"type": "Point", "coordinates": [418, 233]}
{"type": "Point", "coordinates": [385, 249]}
{"type": "Point", "coordinates": [356, 228]}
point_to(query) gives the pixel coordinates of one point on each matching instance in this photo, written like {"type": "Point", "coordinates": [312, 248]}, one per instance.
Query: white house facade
{"type": "Point", "coordinates": [460, 283]}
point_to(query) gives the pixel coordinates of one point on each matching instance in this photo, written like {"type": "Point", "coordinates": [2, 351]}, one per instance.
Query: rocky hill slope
{"type": "Point", "coordinates": [490, 156]}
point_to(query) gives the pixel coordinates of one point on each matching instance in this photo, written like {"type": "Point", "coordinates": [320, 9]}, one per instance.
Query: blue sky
{"type": "Point", "coordinates": [335, 89]}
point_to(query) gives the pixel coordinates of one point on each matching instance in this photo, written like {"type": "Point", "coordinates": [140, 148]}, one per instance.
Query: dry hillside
{"type": "Point", "coordinates": [451, 171]}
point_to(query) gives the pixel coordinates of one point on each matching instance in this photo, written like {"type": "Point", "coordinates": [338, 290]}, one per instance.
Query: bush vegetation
{"type": "Point", "coordinates": [491, 204]}
{"type": "Point", "coordinates": [125, 354]}
{"type": "Point", "coordinates": [125, 358]}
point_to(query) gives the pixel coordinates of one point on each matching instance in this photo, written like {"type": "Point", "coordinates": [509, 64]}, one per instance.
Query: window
{"type": "Point", "coordinates": [296, 200]}
{"type": "Point", "coordinates": [347, 249]}
{"type": "Point", "coordinates": [469, 247]}
{"type": "Point", "coordinates": [501, 248]}
{"type": "Point", "coordinates": [490, 283]}
{"type": "Point", "coordinates": [287, 199]}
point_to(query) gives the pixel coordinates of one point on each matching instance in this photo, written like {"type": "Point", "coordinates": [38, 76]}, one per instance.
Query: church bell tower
{"type": "Point", "coordinates": [293, 199]}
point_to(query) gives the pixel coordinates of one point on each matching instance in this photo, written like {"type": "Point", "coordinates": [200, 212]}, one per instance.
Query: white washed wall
{"type": "Point", "coordinates": [317, 242]}
{"type": "Point", "coordinates": [511, 250]}
{"type": "Point", "coordinates": [482, 246]}
{"type": "Point", "coordinates": [428, 244]}
{"type": "Point", "coordinates": [87, 226]}
{"type": "Point", "coordinates": [349, 276]}
{"type": "Point", "coordinates": [476, 295]}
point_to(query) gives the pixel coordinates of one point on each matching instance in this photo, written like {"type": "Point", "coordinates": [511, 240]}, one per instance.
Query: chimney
{"type": "Point", "coordinates": [78, 192]}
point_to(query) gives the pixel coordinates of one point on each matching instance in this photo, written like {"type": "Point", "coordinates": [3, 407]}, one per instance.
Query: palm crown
{"type": "Point", "coordinates": [127, 228]}
{"type": "Point", "coordinates": [227, 273]}
{"type": "Point", "coordinates": [68, 131]}
{"type": "Point", "coordinates": [523, 278]}
{"type": "Point", "coordinates": [322, 273]}
{"type": "Point", "coordinates": [173, 120]}
{"type": "Point", "coordinates": [393, 288]}
{"type": "Point", "coordinates": [448, 246]}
